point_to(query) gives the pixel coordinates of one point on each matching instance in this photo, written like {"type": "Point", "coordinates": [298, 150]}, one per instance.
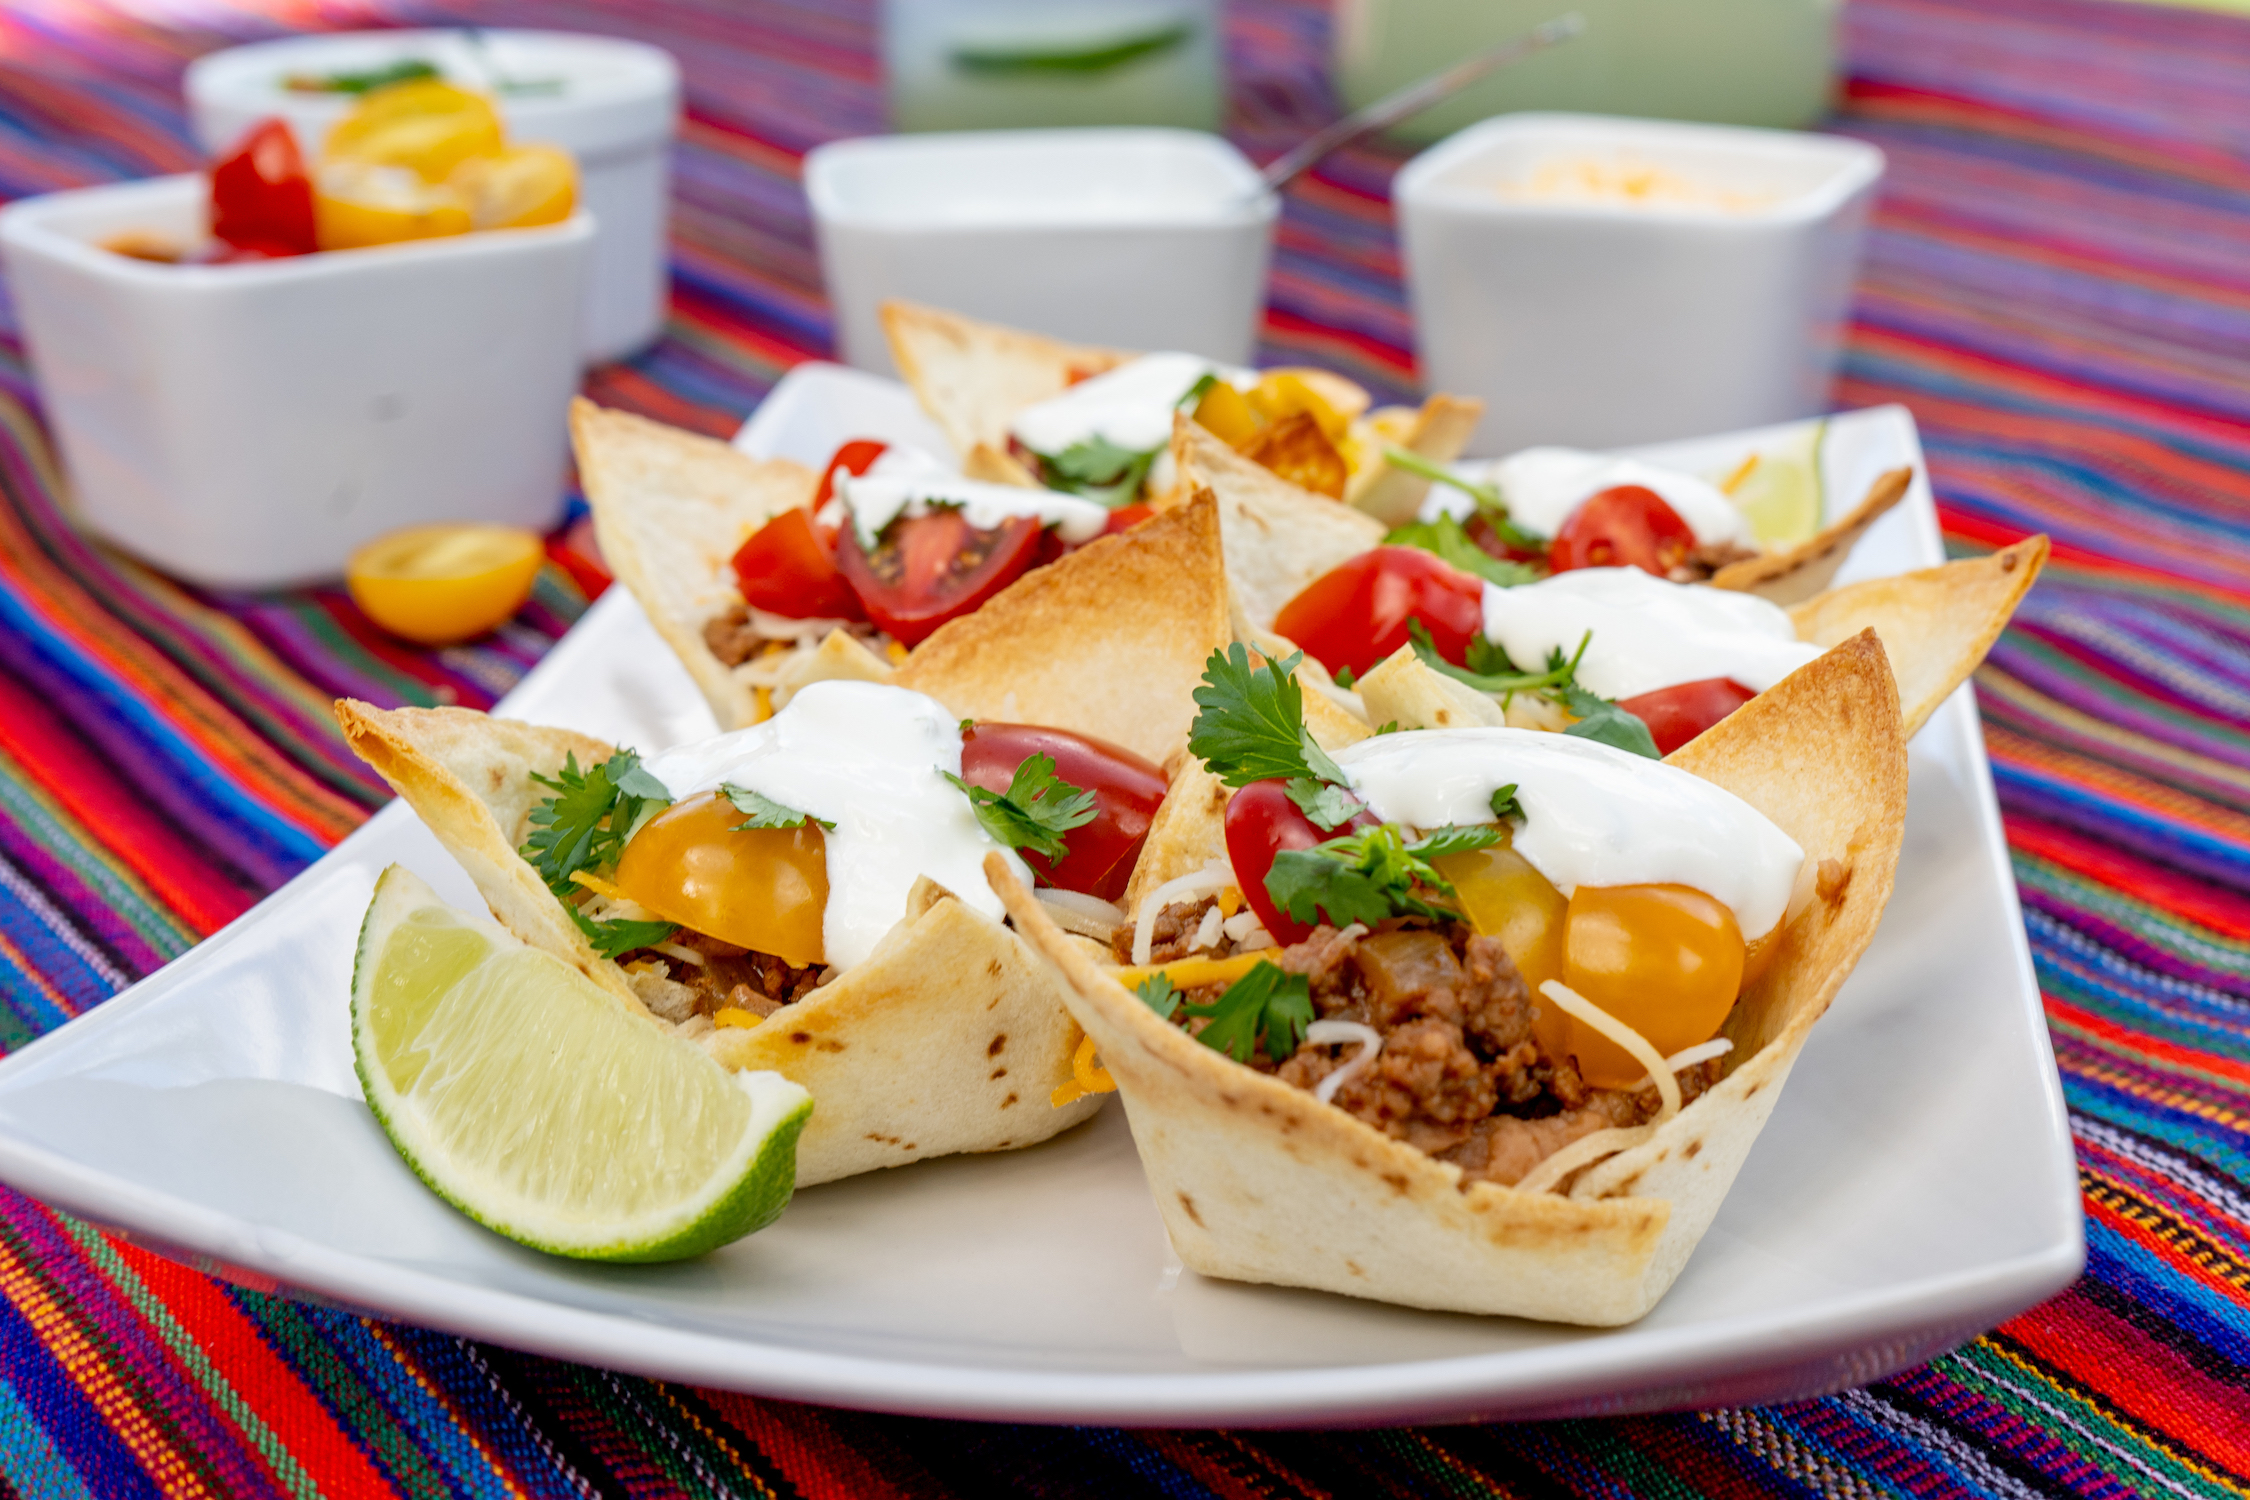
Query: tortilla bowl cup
{"type": "Point", "coordinates": [1259, 1181]}
{"type": "Point", "coordinates": [949, 1037]}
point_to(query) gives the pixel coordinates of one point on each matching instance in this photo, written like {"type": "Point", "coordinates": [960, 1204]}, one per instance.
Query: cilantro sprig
{"type": "Point", "coordinates": [761, 811]}
{"type": "Point", "coordinates": [1159, 994]}
{"type": "Point", "coordinates": [586, 824]}
{"type": "Point", "coordinates": [1098, 469]}
{"type": "Point", "coordinates": [620, 936]}
{"type": "Point", "coordinates": [1265, 1003]}
{"type": "Point", "coordinates": [1036, 810]}
{"type": "Point", "coordinates": [1250, 722]}
{"type": "Point", "coordinates": [1596, 718]}
{"type": "Point", "coordinates": [1490, 503]}
{"type": "Point", "coordinates": [1371, 874]}
{"type": "Point", "coordinates": [1450, 541]}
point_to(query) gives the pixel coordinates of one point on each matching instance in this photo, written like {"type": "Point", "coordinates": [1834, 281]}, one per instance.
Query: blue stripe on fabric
{"type": "Point", "coordinates": [55, 1403]}
{"type": "Point", "coordinates": [33, 1466]}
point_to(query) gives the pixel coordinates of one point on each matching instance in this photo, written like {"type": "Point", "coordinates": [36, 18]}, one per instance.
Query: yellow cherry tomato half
{"type": "Point", "coordinates": [520, 187]}
{"type": "Point", "coordinates": [1504, 896]}
{"type": "Point", "coordinates": [441, 584]}
{"type": "Point", "coordinates": [356, 204]}
{"type": "Point", "coordinates": [762, 888]}
{"type": "Point", "coordinates": [1223, 413]}
{"type": "Point", "coordinates": [1283, 393]}
{"type": "Point", "coordinates": [1666, 960]}
{"type": "Point", "coordinates": [425, 126]}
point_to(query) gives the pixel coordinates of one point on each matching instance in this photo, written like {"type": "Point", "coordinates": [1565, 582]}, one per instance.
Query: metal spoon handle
{"type": "Point", "coordinates": [1418, 96]}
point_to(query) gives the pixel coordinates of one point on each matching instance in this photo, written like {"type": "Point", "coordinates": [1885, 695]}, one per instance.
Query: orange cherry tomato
{"type": "Point", "coordinates": [1674, 715]}
{"type": "Point", "coordinates": [1356, 614]}
{"type": "Point", "coordinates": [788, 567]}
{"type": "Point", "coordinates": [1667, 960]}
{"type": "Point", "coordinates": [1127, 792]}
{"type": "Point", "coordinates": [760, 888]}
{"type": "Point", "coordinates": [1628, 526]}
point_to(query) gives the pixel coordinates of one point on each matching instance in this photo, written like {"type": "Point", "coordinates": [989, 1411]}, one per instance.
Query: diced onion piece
{"type": "Point", "coordinates": [1257, 942]}
{"type": "Point", "coordinates": [1244, 925]}
{"type": "Point", "coordinates": [1214, 877]}
{"type": "Point", "coordinates": [1088, 916]}
{"type": "Point", "coordinates": [1591, 1148]}
{"type": "Point", "coordinates": [1326, 1033]}
{"type": "Point", "coordinates": [1688, 1057]}
{"type": "Point", "coordinates": [1206, 931]}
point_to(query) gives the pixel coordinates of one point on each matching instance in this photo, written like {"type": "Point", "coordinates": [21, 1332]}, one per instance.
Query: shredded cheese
{"type": "Point", "coordinates": [1214, 877]}
{"type": "Point", "coordinates": [680, 951]}
{"type": "Point", "coordinates": [1336, 1033]}
{"type": "Point", "coordinates": [1087, 1076]}
{"type": "Point", "coordinates": [733, 1015]}
{"type": "Point", "coordinates": [1230, 901]}
{"type": "Point", "coordinates": [598, 886]}
{"type": "Point", "coordinates": [1190, 973]}
{"type": "Point", "coordinates": [1589, 1149]}
{"type": "Point", "coordinates": [1688, 1057]}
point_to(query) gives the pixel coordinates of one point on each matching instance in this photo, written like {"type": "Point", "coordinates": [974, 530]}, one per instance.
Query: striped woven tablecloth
{"type": "Point", "coordinates": [2059, 286]}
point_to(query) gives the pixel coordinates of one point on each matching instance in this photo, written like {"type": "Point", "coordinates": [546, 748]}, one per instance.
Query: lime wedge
{"type": "Point", "coordinates": [532, 1100]}
{"type": "Point", "coordinates": [1778, 488]}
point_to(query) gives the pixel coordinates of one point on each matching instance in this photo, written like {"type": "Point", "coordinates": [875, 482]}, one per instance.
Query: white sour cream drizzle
{"type": "Point", "coordinates": [1649, 633]}
{"type": "Point", "coordinates": [1593, 815]}
{"type": "Point", "coordinates": [866, 758]}
{"type": "Point", "coordinates": [1542, 486]}
{"type": "Point", "coordinates": [1130, 406]}
{"type": "Point", "coordinates": [907, 481]}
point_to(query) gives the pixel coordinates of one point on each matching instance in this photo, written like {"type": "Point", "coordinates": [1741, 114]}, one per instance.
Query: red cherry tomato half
{"type": "Point", "coordinates": [1628, 526]}
{"type": "Point", "coordinates": [855, 457]}
{"type": "Point", "coordinates": [788, 567]}
{"type": "Point", "coordinates": [926, 570]}
{"type": "Point", "coordinates": [1052, 547]}
{"type": "Point", "coordinates": [1261, 822]}
{"type": "Point", "coordinates": [1674, 715]}
{"type": "Point", "coordinates": [261, 195]}
{"type": "Point", "coordinates": [1127, 792]}
{"type": "Point", "coordinates": [1356, 614]}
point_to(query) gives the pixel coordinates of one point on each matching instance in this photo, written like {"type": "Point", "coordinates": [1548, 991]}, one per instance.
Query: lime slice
{"type": "Point", "coordinates": [532, 1100]}
{"type": "Point", "coordinates": [1778, 489]}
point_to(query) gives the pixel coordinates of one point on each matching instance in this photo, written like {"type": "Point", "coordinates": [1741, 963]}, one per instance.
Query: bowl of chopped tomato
{"type": "Point", "coordinates": [249, 422]}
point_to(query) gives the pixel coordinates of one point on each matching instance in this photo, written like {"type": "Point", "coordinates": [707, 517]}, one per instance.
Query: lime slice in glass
{"type": "Point", "coordinates": [1778, 488]}
{"type": "Point", "coordinates": [534, 1101]}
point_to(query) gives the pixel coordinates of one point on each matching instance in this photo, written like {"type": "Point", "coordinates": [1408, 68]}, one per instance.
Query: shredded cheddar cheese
{"type": "Point", "coordinates": [1190, 973]}
{"type": "Point", "coordinates": [598, 886]}
{"type": "Point", "coordinates": [1230, 901]}
{"type": "Point", "coordinates": [764, 697]}
{"type": "Point", "coordinates": [895, 651]}
{"type": "Point", "coordinates": [1087, 1077]}
{"type": "Point", "coordinates": [733, 1016]}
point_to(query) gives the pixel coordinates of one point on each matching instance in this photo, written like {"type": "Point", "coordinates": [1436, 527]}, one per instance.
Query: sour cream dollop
{"type": "Point", "coordinates": [1649, 633]}
{"type": "Point", "coordinates": [1542, 486]}
{"type": "Point", "coordinates": [1593, 815]}
{"type": "Point", "coordinates": [866, 758]}
{"type": "Point", "coordinates": [907, 481]}
{"type": "Point", "coordinates": [1130, 406]}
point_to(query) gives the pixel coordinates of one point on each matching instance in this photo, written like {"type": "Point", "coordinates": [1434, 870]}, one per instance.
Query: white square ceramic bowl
{"type": "Point", "coordinates": [616, 111]}
{"type": "Point", "coordinates": [1143, 238]}
{"type": "Point", "coordinates": [247, 426]}
{"type": "Point", "coordinates": [1601, 324]}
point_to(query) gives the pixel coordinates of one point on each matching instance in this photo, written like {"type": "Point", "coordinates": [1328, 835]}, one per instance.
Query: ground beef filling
{"type": "Point", "coordinates": [729, 978]}
{"type": "Point", "coordinates": [1460, 1075]}
{"type": "Point", "coordinates": [732, 638]}
{"type": "Point", "coordinates": [1174, 934]}
{"type": "Point", "coordinates": [1706, 558]}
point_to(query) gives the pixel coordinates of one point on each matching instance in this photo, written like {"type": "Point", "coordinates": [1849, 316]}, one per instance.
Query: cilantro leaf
{"type": "Point", "coordinates": [1344, 677]}
{"type": "Point", "coordinates": [1370, 874]}
{"type": "Point", "coordinates": [1558, 671]}
{"type": "Point", "coordinates": [1504, 803]}
{"type": "Point", "coordinates": [1327, 806]}
{"type": "Point", "coordinates": [1490, 504]}
{"type": "Point", "coordinates": [586, 823]}
{"type": "Point", "coordinates": [1389, 728]}
{"type": "Point", "coordinates": [1159, 994]}
{"type": "Point", "coordinates": [1097, 469]}
{"type": "Point", "coordinates": [1264, 1002]}
{"type": "Point", "coordinates": [1250, 722]}
{"type": "Point", "coordinates": [764, 812]}
{"type": "Point", "coordinates": [612, 939]}
{"type": "Point", "coordinates": [1601, 720]}
{"type": "Point", "coordinates": [1036, 810]}
{"type": "Point", "coordinates": [1449, 540]}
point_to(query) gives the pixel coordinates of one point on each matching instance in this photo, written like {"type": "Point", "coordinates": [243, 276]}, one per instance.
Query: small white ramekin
{"type": "Point", "coordinates": [1144, 238]}
{"type": "Point", "coordinates": [1601, 324]}
{"type": "Point", "coordinates": [616, 110]}
{"type": "Point", "coordinates": [248, 426]}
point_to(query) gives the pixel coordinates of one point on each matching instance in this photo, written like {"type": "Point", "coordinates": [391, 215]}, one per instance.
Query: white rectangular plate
{"type": "Point", "coordinates": [1915, 1186]}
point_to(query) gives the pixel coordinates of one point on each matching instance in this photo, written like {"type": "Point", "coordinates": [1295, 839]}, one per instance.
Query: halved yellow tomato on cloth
{"type": "Point", "coordinates": [442, 584]}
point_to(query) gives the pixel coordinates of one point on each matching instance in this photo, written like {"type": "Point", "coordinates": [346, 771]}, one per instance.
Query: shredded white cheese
{"type": "Point", "coordinates": [1688, 1057]}
{"type": "Point", "coordinates": [1337, 1033]}
{"type": "Point", "coordinates": [1214, 877]}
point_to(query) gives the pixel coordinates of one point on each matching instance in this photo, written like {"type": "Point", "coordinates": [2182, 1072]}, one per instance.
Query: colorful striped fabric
{"type": "Point", "coordinates": [2060, 289]}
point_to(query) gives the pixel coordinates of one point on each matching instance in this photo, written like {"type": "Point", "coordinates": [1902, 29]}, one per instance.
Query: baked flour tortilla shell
{"type": "Point", "coordinates": [948, 1038]}
{"type": "Point", "coordinates": [670, 510]}
{"type": "Point", "coordinates": [1792, 575]}
{"type": "Point", "coordinates": [1259, 1181]}
{"type": "Point", "coordinates": [973, 377]}
{"type": "Point", "coordinates": [1936, 625]}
